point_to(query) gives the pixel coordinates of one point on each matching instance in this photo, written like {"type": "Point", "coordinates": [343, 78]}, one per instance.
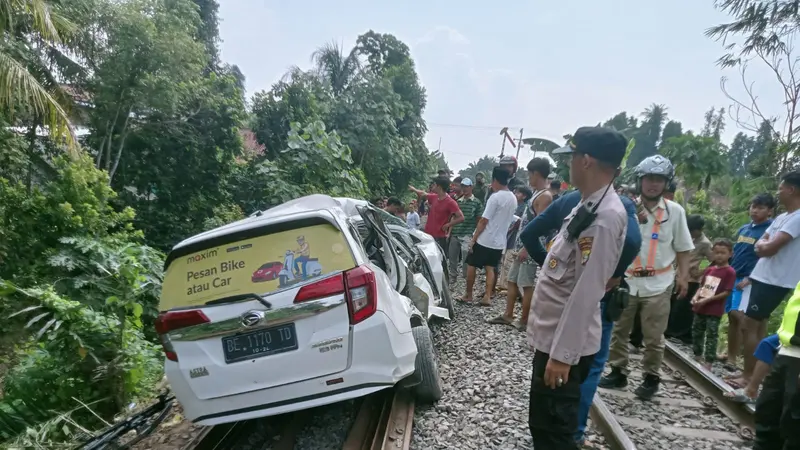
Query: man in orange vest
{"type": "Point", "coordinates": [651, 277]}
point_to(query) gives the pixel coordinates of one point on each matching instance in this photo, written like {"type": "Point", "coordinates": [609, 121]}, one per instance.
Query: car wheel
{"type": "Point", "coordinates": [429, 390]}
{"type": "Point", "coordinates": [447, 296]}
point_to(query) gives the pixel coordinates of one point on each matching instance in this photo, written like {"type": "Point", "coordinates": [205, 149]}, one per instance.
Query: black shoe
{"type": "Point", "coordinates": [614, 380]}
{"type": "Point", "coordinates": [648, 388]}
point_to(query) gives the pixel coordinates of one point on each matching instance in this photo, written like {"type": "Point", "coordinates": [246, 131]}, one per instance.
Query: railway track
{"type": "Point", "coordinates": [384, 421]}
{"type": "Point", "coordinates": [689, 393]}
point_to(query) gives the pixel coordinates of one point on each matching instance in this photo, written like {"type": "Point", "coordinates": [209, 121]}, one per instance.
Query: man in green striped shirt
{"type": "Point", "coordinates": [461, 234]}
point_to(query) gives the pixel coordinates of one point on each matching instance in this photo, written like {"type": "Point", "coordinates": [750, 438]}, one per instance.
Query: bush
{"type": "Point", "coordinates": [79, 354]}
{"type": "Point", "coordinates": [75, 203]}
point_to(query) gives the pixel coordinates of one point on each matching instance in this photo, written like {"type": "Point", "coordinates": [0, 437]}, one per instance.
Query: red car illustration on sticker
{"type": "Point", "coordinates": [267, 272]}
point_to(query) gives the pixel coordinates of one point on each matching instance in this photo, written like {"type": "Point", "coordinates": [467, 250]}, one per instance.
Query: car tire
{"type": "Point", "coordinates": [429, 390]}
{"type": "Point", "coordinates": [447, 297]}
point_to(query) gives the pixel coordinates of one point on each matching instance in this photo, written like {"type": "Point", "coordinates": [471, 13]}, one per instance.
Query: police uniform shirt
{"type": "Point", "coordinates": [565, 312]}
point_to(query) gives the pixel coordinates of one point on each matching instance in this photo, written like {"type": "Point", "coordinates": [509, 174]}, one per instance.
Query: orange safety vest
{"type": "Point", "coordinates": [649, 270]}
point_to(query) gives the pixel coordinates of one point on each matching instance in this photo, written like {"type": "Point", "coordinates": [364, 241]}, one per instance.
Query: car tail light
{"type": "Point", "coordinates": [357, 284]}
{"type": "Point", "coordinates": [322, 288]}
{"type": "Point", "coordinates": [175, 320]}
{"type": "Point", "coordinates": [361, 293]}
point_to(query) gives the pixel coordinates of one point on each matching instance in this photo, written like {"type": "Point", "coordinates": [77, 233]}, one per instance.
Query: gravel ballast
{"type": "Point", "coordinates": [486, 371]}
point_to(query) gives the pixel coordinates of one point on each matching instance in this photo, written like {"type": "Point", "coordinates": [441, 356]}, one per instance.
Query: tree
{"type": "Point", "coordinates": [208, 30]}
{"type": "Point", "coordinates": [714, 123]}
{"type": "Point", "coordinates": [623, 123]}
{"type": "Point", "coordinates": [146, 68]}
{"type": "Point", "coordinates": [769, 29]}
{"type": "Point", "coordinates": [648, 134]}
{"type": "Point", "coordinates": [31, 30]}
{"type": "Point", "coordinates": [697, 159]}
{"type": "Point", "coordinates": [671, 129]}
{"type": "Point", "coordinates": [484, 164]}
{"type": "Point", "coordinates": [739, 153]}
{"type": "Point", "coordinates": [338, 70]}
{"type": "Point", "coordinates": [299, 97]}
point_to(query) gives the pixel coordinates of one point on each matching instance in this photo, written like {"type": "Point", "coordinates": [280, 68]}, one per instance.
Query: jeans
{"type": "Point", "coordinates": [553, 413]}
{"type": "Point", "coordinates": [589, 387]}
{"type": "Point", "coordinates": [301, 261]}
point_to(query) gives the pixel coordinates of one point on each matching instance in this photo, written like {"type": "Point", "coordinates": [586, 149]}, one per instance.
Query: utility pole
{"type": "Point", "coordinates": [503, 133]}
{"type": "Point", "coordinates": [519, 144]}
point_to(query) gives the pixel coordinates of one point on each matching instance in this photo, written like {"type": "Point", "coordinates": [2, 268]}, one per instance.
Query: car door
{"type": "Point", "coordinates": [395, 268]}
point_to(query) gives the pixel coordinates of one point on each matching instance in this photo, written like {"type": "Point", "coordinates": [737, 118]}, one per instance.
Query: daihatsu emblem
{"type": "Point", "coordinates": [252, 318]}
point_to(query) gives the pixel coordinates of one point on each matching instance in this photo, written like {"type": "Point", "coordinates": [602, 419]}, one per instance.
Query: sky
{"type": "Point", "coordinates": [545, 67]}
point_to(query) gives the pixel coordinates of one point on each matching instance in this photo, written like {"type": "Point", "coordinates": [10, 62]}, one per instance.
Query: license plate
{"type": "Point", "coordinates": [260, 343]}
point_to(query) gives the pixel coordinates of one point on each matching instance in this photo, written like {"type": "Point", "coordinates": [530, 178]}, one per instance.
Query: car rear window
{"type": "Point", "coordinates": [254, 265]}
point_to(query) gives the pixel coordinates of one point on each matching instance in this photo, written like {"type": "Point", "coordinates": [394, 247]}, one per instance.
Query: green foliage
{"type": "Point", "coordinates": [223, 215]}
{"type": "Point", "coordinates": [80, 353]}
{"type": "Point", "coordinates": [484, 164]}
{"type": "Point", "coordinates": [316, 161]}
{"type": "Point", "coordinates": [375, 109]}
{"type": "Point", "coordinates": [696, 158]}
{"type": "Point", "coordinates": [75, 203]}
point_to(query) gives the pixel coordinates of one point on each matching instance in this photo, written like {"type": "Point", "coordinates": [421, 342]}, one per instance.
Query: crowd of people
{"type": "Point", "coordinates": [605, 266]}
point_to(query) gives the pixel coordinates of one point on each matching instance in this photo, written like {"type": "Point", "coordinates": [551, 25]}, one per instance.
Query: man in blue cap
{"type": "Point", "coordinates": [565, 324]}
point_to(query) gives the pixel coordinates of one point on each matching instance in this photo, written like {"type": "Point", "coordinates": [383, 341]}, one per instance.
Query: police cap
{"type": "Point", "coordinates": [604, 144]}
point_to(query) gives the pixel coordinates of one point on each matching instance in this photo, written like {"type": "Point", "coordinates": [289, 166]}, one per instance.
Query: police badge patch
{"type": "Point", "coordinates": [585, 244]}
{"type": "Point", "coordinates": [552, 264]}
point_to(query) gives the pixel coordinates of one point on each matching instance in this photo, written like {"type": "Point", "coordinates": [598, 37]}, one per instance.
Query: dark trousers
{"type": "Point", "coordinates": [442, 241]}
{"type": "Point", "coordinates": [681, 316]}
{"type": "Point", "coordinates": [705, 334]}
{"type": "Point", "coordinates": [778, 407]}
{"type": "Point", "coordinates": [553, 413]}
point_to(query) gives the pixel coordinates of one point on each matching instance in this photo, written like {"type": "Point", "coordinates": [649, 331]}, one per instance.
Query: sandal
{"type": "Point", "coordinates": [519, 325]}
{"type": "Point", "coordinates": [735, 384]}
{"type": "Point", "coordinates": [739, 396]}
{"type": "Point", "coordinates": [499, 320]}
{"type": "Point", "coordinates": [464, 301]}
{"type": "Point", "coordinates": [484, 305]}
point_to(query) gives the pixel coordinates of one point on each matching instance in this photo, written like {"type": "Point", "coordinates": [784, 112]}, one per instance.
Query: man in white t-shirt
{"type": "Point", "coordinates": [777, 271]}
{"type": "Point", "coordinates": [489, 240]}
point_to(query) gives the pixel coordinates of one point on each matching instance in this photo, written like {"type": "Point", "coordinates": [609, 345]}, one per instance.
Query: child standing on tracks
{"type": "Point", "coordinates": [708, 303]}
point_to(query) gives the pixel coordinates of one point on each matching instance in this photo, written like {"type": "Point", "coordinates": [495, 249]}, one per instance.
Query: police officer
{"type": "Point", "coordinates": [564, 327]}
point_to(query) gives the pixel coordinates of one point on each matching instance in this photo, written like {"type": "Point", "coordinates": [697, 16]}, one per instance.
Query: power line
{"type": "Point", "coordinates": [539, 133]}
{"type": "Point", "coordinates": [473, 127]}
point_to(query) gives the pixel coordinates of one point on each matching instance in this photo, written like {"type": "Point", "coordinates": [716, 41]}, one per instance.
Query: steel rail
{"type": "Point", "coordinates": [712, 387]}
{"type": "Point", "coordinates": [604, 420]}
{"type": "Point", "coordinates": [219, 437]}
{"type": "Point", "coordinates": [384, 422]}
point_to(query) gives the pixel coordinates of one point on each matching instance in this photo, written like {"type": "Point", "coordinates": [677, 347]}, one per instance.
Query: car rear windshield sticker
{"type": "Point", "coordinates": [258, 265]}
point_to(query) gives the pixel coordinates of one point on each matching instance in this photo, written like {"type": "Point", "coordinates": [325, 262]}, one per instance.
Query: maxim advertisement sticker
{"type": "Point", "coordinates": [257, 265]}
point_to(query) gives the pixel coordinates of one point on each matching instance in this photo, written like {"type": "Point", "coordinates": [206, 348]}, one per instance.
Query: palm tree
{"type": "Point", "coordinates": [336, 68]}
{"type": "Point", "coordinates": [29, 28]}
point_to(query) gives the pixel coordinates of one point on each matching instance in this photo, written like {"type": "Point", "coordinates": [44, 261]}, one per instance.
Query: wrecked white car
{"type": "Point", "coordinates": [293, 308]}
{"type": "Point", "coordinates": [421, 254]}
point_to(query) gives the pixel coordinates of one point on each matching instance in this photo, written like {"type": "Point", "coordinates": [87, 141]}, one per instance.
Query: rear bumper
{"type": "Point", "coordinates": [380, 357]}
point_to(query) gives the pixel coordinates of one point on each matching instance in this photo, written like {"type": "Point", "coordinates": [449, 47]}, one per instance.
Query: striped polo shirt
{"type": "Point", "coordinates": [472, 209]}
